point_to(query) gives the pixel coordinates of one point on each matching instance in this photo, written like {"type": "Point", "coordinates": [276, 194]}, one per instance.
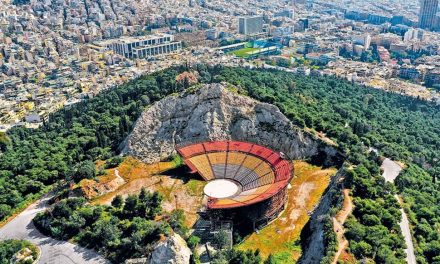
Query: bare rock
{"type": "Point", "coordinates": [23, 256]}
{"type": "Point", "coordinates": [171, 251]}
{"type": "Point", "coordinates": [215, 113]}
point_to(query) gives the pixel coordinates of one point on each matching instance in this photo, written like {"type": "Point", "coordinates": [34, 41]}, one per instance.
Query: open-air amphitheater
{"type": "Point", "coordinates": [240, 174]}
{"type": "Point", "coordinates": [242, 148]}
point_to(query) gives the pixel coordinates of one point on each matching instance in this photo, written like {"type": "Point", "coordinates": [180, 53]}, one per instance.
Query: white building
{"type": "Point", "coordinates": [364, 40]}
{"type": "Point", "coordinates": [33, 118]}
{"type": "Point", "coordinates": [142, 47]}
{"type": "Point", "coordinates": [413, 34]}
{"type": "Point", "coordinates": [250, 25]}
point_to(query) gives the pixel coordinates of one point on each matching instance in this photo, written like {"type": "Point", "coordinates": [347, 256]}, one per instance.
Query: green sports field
{"type": "Point", "coordinates": [245, 52]}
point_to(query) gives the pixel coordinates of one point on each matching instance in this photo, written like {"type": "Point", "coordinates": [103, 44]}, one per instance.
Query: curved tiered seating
{"type": "Point", "coordinates": [260, 172]}
{"type": "Point", "coordinates": [201, 163]}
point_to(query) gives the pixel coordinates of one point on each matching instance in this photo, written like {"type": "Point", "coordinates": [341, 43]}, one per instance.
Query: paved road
{"type": "Point", "coordinates": [52, 251]}
{"type": "Point", "coordinates": [404, 225]}
{"type": "Point", "coordinates": [390, 172]}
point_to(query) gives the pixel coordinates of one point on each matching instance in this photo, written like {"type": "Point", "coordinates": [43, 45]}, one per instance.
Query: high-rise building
{"type": "Point", "coordinates": [290, 13]}
{"type": "Point", "coordinates": [428, 11]}
{"type": "Point", "coordinates": [250, 25]}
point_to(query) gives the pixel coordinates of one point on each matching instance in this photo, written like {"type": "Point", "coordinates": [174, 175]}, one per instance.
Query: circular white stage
{"type": "Point", "coordinates": [221, 188]}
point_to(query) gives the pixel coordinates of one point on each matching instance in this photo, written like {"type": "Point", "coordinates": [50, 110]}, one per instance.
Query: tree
{"type": "Point", "coordinates": [9, 247]}
{"type": "Point", "coordinates": [356, 231]}
{"type": "Point", "coordinates": [385, 255]}
{"type": "Point", "coordinates": [4, 210]}
{"type": "Point", "coordinates": [113, 162]}
{"type": "Point", "coordinates": [85, 170]}
{"type": "Point", "coordinates": [270, 260]}
{"type": "Point", "coordinates": [131, 206]}
{"type": "Point", "coordinates": [361, 249]}
{"type": "Point", "coordinates": [234, 256]}
{"type": "Point", "coordinates": [193, 242]}
{"type": "Point", "coordinates": [5, 141]}
{"type": "Point", "coordinates": [117, 236]}
{"type": "Point", "coordinates": [106, 233]}
{"type": "Point", "coordinates": [433, 251]}
{"type": "Point", "coordinates": [244, 257]}
{"type": "Point", "coordinates": [177, 221]}
{"type": "Point", "coordinates": [220, 258]}
{"type": "Point", "coordinates": [370, 220]}
{"type": "Point", "coordinates": [143, 195]}
{"type": "Point", "coordinates": [154, 205]}
{"type": "Point", "coordinates": [118, 201]}
{"type": "Point", "coordinates": [221, 239]}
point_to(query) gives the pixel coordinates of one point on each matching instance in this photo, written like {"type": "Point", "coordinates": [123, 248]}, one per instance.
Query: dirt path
{"type": "Point", "coordinates": [347, 207]}
{"type": "Point", "coordinates": [338, 224]}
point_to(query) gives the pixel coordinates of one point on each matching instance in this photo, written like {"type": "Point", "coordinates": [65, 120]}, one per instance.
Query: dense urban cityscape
{"type": "Point", "coordinates": [220, 131]}
{"type": "Point", "coordinates": [55, 53]}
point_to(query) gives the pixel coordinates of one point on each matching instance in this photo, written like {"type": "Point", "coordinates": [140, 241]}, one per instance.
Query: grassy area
{"type": "Point", "coordinates": [178, 191]}
{"type": "Point", "coordinates": [133, 172]}
{"type": "Point", "coordinates": [195, 187]}
{"type": "Point", "coordinates": [245, 52]}
{"type": "Point", "coordinates": [177, 161]}
{"type": "Point", "coordinates": [281, 237]}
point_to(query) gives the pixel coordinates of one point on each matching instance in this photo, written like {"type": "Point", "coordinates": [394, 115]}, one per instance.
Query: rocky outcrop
{"type": "Point", "coordinates": [313, 242]}
{"type": "Point", "coordinates": [25, 255]}
{"type": "Point", "coordinates": [171, 251]}
{"type": "Point", "coordinates": [105, 184]}
{"type": "Point", "coordinates": [215, 113]}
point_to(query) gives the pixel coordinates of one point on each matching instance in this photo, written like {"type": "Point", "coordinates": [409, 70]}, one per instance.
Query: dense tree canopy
{"type": "Point", "coordinates": [127, 231]}
{"type": "Point", "coordinates": [422, 195]}
{"type": "Point", "coordinates": [74, 137]}
{"type": "Point", "coordinates": [355, 117]}
{"type": "Point", "coordinates": [237, 257]}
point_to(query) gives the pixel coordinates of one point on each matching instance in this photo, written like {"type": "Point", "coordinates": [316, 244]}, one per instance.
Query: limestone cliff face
{"type": "Point", "coordinates": [215, 113]}
{"type": "Point", "coordinates": [171, 251]}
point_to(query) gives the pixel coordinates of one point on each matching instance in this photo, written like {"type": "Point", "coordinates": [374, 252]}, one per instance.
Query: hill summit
{"type": "Point", "coordinates": [214, 112]}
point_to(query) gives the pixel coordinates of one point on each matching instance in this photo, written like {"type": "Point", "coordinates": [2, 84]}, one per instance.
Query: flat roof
{"type": "Point", "coordinates": [128, 39]}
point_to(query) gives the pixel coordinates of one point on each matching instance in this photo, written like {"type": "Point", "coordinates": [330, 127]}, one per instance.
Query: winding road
{"type": "Point", "coordinates": [404, 225]}
{"type": "Point", "coordinates": [52, 251]}
{"type": "Point", "coordinates": [390, 172]}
